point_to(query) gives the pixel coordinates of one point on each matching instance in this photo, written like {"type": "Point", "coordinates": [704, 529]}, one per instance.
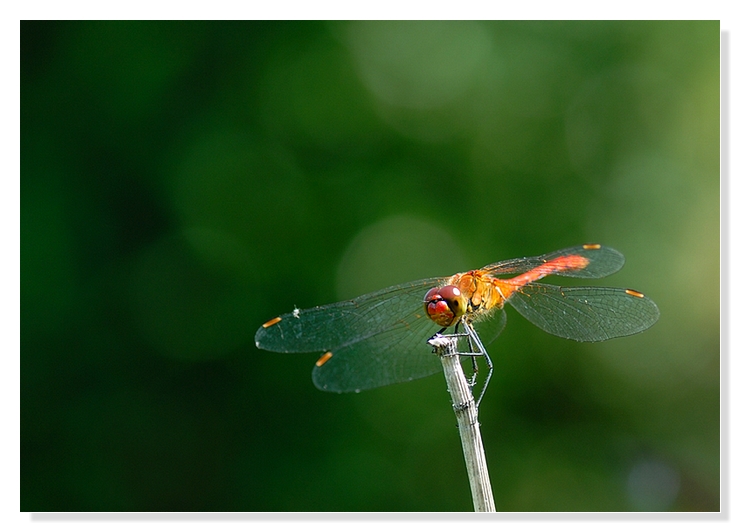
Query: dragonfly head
{"type": "Point", "coordinates": [444, 306]}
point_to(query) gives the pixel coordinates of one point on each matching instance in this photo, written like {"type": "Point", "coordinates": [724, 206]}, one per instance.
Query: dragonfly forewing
{"type": "Point", "coordinates": [330, 327]}
{"type": "Point", "coordinates": [602, 261]}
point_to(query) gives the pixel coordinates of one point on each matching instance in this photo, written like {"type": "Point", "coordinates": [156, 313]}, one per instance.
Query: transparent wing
{"type": "Point", "coordinates": [330, 327]}
{"type": "Point", "coordinates": [375, 339]}
{"type": "Point", "coordinates": [585, 314]}
{"type": "Point", "coordinates": [602, 261]}
{"type": "Point", "coordinates": [390, 356]}
{"type": "Point", "coordinates": [396, 354]}
{"type": "Point", "coordinates": [490, 325]}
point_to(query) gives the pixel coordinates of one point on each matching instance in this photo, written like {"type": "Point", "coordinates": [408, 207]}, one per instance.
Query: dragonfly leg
{"type": "Point", "coordinates": [474, 375]}
{"type": "Point", "coordinates": [475, 343]}
{"type": "Point", "coordinates": [476, 349]}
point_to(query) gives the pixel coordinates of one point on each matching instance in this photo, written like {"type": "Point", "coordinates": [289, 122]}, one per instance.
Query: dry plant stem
{"type": "Point", "coordinates": [466, 411]}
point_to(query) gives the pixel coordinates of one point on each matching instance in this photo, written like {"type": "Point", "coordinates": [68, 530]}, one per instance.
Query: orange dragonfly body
{"type": "Point", "coordinates": [380, 338]}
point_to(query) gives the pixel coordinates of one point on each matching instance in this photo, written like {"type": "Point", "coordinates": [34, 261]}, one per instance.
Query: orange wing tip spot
{"type": "Point", "coordinates": [591, 246]}
{"type": "Point", "coordinates": [634, 293]}
{"type": "Point", "coordinates": [272, 322]}
{"type": "Point", "coordinates": [324, 358]}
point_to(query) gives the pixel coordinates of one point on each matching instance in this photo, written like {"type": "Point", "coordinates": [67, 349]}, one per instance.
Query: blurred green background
{"type": "Point", "coordinates": [183, 182]}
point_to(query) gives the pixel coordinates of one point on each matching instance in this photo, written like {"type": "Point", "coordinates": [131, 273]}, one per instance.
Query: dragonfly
{"type": "Point", "coordinates": [381, 338]}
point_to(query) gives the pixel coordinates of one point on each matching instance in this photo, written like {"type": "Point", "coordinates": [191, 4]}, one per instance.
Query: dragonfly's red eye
{"type": "Point", "coordinates": [445, 305]}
